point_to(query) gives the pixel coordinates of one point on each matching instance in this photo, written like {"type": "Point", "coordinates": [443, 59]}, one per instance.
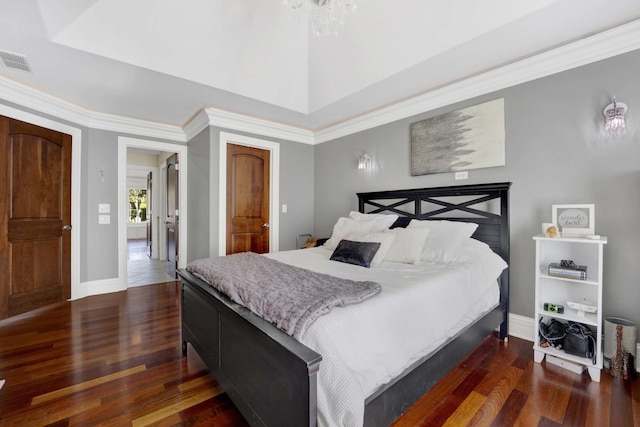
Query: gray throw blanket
{"type": "Point", "coordinates": [289, 297]}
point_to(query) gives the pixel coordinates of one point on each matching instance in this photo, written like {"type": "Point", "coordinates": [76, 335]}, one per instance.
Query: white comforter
{"type": "Point", "coordinates": [364, 346]}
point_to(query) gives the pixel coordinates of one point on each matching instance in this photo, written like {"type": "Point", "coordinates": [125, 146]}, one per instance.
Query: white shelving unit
{"type": "Point", "coordinates": [558, 290]}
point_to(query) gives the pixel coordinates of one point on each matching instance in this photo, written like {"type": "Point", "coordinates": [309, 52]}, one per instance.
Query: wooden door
{"type": "Point", "coordinates": [149, 216]}
{"type": "Point", "coordinates": [248, 171]}
{"type": "Point", "coordinates": [35, 217]}
{"type": "Point", "coordinates": [173, 217]}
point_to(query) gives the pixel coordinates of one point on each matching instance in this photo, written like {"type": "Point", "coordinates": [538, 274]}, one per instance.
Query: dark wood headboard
{"type": "Point", "coordinates": [485, 204]}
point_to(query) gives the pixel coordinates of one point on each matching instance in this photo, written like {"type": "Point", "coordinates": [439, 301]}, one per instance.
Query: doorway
{"type": "Point", "coordinates": [144, 266]}
{"type": "Point", "coordinates": [274, 187]}
{"type": "Point", "coordinates": [153, 268]}
{"type": "Point", "coordinates": [76, 160]}
{"type": "Point", "coordinates": [35, 217]}
{"type": "Point", "coordinates": [172, 216]}
{"type": "Point", "coordinates": [150, 200]}
{"type": "Point", "coordinates": [248, 173]}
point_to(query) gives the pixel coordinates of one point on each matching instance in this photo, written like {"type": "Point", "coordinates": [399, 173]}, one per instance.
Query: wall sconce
{"type": "Point", "coordinates": [364, 161]}
{"type": "Point", "coordinates": [614, 115]}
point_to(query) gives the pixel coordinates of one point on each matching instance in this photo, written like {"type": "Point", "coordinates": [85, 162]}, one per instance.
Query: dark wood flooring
{"type": "Point", "coordinates": [116, 360]}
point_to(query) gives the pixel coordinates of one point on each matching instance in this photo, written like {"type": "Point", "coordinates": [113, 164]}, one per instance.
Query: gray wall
{"type": "Point", "coordinates": [556, 152]}
{"type": "Point", "coordinates": [101, 149]}
{"type": "Point", "coordinates": [198, 195]}
{"type": "Point", "coordinates": [296, 191]}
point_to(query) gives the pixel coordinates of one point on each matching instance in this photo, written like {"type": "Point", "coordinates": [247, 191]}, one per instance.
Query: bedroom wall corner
{"type": "Point", "coordinates": [198, 226]}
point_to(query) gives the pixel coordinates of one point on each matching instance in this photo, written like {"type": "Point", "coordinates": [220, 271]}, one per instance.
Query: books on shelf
{"type": "Point", "coordinates": [579, 272]}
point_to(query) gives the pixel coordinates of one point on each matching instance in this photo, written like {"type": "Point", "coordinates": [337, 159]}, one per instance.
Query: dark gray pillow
{"type": "Point", "coordinates": [357, 253]}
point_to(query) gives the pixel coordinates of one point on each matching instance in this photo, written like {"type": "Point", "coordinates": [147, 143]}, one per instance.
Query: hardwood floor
{"type": "Point", "coordinates": [116, 359]}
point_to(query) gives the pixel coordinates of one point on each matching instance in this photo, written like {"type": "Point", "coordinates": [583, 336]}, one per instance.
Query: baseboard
{"type": "Point", "coordinates": [97, 287]}
{"type": "Point", "coordinates": [523, 327]}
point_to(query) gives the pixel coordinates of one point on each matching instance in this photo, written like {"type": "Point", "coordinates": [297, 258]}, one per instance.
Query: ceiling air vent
{"type": "Point", "coordinates": [14, 60]}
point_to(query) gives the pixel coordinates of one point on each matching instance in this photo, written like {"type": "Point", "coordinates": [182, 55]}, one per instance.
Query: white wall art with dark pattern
{"type": "Point", "coordinates": [470, 138]}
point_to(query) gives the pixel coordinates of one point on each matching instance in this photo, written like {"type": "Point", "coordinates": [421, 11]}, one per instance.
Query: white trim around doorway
{"type": "Point", "coordinates": [123, 144]}
{"type": "Point", "coordinates": [274, 187]}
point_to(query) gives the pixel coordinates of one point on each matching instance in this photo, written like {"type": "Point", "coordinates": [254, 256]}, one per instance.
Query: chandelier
{"type": "Point", "coordinates": [326, 16]}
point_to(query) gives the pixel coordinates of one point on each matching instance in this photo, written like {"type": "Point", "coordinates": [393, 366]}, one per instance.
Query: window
{"type": "Point", "coordinates": [137, 205]}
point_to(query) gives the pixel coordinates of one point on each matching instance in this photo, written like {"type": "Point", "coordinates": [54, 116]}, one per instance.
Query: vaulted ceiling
{"type": "Point", "coordinates": [164, 60]}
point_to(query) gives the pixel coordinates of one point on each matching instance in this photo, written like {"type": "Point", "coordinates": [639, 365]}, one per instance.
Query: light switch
{"type": "Point", "coordinates": [104, 208]}
{"type": "Point", "coordinates": [284, 208]}
{"type": "Point", "coordinates": [104, 219]}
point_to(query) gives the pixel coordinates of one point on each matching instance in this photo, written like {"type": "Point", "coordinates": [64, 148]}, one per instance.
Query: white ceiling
{"type": "Point", "coordinates": [164, 61]}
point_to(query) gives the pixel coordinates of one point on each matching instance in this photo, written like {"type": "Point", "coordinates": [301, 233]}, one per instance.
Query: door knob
{"type": "Point", "coordinates": [265, 225]}
{"type": "Point", "coordinates": [66, 228]}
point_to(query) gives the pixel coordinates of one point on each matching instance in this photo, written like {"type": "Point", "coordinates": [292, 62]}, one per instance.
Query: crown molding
{"type": "Point", "coordinates": [196, 125]}
{"type": "Point", "coordinates": [28, 97]}
{"type": "Point", "coordinates": [41, 102]}
{"type": "Point", "coordinates": [136, 127]}
{"type": "Point", "coordinates": [239, 122]}
{"type": "Point", "coordinates": [607, 44]}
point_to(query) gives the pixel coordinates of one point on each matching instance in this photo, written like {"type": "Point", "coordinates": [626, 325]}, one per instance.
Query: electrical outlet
{"type": "Point", "coordinates": [462, 175]}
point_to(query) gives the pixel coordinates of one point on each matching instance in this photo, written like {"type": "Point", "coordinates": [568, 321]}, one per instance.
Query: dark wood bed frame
{"type": "Point", "coordinates": [271, 377]}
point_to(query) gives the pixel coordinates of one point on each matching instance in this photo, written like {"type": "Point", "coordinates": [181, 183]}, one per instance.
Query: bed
{"type": "Point", "coordinates": [273, 378]}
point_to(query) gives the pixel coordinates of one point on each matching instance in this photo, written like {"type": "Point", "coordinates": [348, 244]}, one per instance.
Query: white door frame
{"type": "Point", "coordinates": [162, 237]}
{"type": "Point", "coordinates": [274, 187]}
{"type": "Point", "coordinates": [123, 144]}
{"type": "Point", "coordinates": [76, 165]}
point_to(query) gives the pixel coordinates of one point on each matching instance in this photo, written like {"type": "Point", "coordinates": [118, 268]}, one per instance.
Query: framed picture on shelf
{"type": "Point", "coordinates": [574, 220]}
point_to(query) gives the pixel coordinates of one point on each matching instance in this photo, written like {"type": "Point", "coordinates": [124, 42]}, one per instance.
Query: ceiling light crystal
{"type": "Point", "coordinates": [326, 16]}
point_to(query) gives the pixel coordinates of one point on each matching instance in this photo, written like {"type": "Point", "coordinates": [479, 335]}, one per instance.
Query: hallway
{"type": "Point", "coordinates": [142, 270]}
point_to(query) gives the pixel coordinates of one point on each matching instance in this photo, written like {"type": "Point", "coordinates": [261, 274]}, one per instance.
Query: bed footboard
{"type": "Point", "coordinates": [270, 376]}
{"type": "Point", "coordinates": [396, 397]}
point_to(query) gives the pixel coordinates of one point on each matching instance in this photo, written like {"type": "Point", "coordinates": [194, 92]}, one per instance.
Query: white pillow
{"type": "Point", "coordinates": [445, 238]}
{"type": "Point", "coordinates": [475, 251]}
{"type": "Point", "coordinates": [346, 226]}
{"type": "Point", "coordinates": [385, 240]}
{"type": "Point", "coordinates": [383, 221]}
{"type": "Point", "coordinates": [408, 244]}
